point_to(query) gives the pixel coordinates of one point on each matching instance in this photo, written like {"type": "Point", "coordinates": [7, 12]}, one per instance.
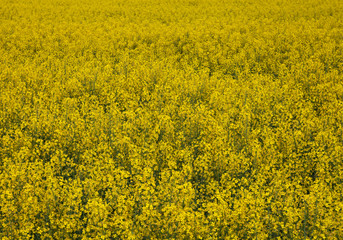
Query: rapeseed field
{"type": "Point", "coordinates": [174, 119]}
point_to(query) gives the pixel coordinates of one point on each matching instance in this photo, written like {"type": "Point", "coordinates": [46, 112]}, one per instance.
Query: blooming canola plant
{"type": "Point", "coordinates": [175, 119]}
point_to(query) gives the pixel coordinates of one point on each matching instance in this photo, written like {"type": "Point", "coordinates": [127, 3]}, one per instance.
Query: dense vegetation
{"type": "Point", "coordinates": [175, 119]}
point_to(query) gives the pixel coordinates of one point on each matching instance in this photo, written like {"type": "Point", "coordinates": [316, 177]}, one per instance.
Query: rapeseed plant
{"type": "Point", "coordinates": [181, 119]}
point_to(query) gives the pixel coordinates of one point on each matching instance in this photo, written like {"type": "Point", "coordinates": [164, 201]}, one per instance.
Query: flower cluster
{"type": "Point", "coordinates": [176, 119]}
